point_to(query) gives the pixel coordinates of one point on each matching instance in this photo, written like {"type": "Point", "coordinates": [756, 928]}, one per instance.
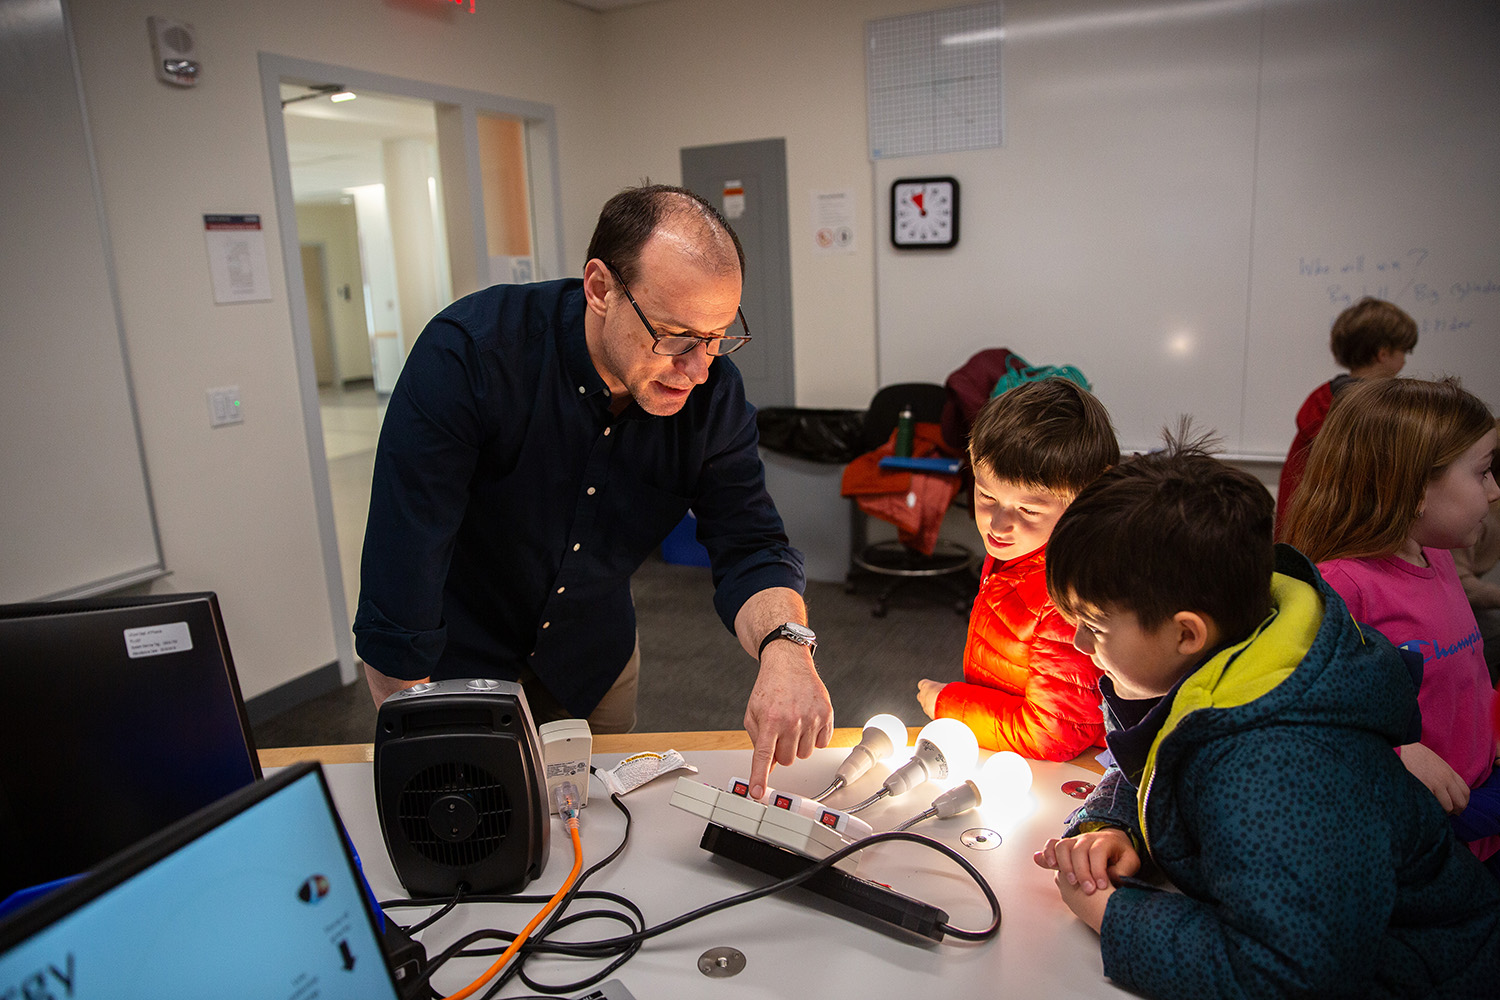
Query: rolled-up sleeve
{"type": "Point", "coordinates": [738, 523]}
{"type": "Point", "coordinates": [429, 443]}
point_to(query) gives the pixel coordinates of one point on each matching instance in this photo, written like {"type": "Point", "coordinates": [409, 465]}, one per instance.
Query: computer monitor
{"type": "Point", "coordinates": [254, 896]}
{"type": "Point", "coordinates": [119, 717]}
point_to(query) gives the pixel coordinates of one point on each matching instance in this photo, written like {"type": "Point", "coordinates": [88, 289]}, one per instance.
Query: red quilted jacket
{"type": "Point", "coordinates": [1025, 687]}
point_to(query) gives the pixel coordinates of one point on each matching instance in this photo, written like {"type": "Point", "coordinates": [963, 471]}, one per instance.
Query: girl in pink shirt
{"type": "Point", "coordinates": [1400, 474]}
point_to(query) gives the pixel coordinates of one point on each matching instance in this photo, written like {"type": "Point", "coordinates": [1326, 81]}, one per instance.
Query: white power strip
{"type": "Point", "coordinates": [786, 820]}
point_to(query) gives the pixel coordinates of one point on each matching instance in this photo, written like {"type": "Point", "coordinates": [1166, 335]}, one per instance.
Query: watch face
{"type": "Point", "coordinates": [924, 212]}
{"type": "Point", "coordinates": [800, 632]}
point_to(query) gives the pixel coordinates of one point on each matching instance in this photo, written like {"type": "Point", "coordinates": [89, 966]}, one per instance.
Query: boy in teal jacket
{"type": "Point", "coordinates": [1252, 723]}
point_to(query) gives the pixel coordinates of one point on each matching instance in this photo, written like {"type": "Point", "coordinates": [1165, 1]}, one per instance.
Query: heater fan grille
{"type": "Point", "coordinates": [441, 787]}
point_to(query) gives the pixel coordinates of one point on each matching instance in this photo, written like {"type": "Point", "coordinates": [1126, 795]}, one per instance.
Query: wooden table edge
{"type": "Point", "coordinates": [604, 743]}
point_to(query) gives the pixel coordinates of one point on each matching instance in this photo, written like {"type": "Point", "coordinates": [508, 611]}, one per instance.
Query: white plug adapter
{"type": "Point", "coordinates": [567, 746]}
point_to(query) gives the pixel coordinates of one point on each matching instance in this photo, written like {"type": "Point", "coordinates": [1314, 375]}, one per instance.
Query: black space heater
{"type": "Point", "coordinates": [460, 789]}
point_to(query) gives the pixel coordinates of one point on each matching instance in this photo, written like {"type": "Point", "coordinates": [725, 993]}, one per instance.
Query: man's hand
{"type": "Point", "coordinates": [789, 713]}
{"type": "Point", "coordinates": [1431, 770]}
{"type": "Point", "coordinates": [382, 687]}
{"type": "Point", "coordinates": [1090, 862]}
{"type": "Point", "coordinates": [927, 695]}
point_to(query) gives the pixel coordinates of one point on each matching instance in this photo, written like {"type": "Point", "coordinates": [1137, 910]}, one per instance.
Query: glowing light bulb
{"type": "Point", "coordinates": [893, 728]}
{"type": "Point", "coordinates": [1006, 775]}
{"type": "Point", "coordinates": [883, 735]}
{"type": "Point", "coordinates": [946, 749]}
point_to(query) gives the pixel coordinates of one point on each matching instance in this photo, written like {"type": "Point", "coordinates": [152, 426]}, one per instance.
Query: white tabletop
{"type": "Point", "coordinates": [795, 943]}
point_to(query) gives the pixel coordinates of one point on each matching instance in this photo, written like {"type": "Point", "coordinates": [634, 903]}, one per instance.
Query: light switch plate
{"type": "Point", "coordinates": [224, 406]}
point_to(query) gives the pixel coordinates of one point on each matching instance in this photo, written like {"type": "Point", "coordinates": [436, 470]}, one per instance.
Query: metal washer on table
{"type": "Point", "coordinates": [721, 963]}
{"type": "Point", "coordinates": [980, 838]}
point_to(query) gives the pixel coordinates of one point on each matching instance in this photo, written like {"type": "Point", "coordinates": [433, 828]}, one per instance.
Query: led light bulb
{"type": "Point", "coordinates": [883, 735]}
{"type": "Point", "coordinates": [946, 748]}
{"type": "Point", "coordinates": [893, 728]}
{"type": "Point", "coordinates": [1006, 775]}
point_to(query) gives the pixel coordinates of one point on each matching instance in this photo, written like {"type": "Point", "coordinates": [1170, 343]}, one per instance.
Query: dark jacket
{"type": "Point", "coordinates": [1311, 863]}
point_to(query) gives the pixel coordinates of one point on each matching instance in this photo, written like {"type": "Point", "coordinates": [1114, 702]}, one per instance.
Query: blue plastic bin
{"type": "Point", "coordinates": [681, 547]}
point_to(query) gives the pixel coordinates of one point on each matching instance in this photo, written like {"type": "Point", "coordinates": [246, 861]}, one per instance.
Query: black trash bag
{"type": "Point", "coordinates": [831, 436]}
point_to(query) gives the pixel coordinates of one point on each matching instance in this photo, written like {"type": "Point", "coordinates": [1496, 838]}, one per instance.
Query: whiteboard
{"type": "Point", "coordinates": [75, 509]}
{"type": "Point", "coordinates": [1191, 191]}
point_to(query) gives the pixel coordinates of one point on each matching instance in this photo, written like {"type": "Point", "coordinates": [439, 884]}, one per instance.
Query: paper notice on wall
{"type": "Point", "coordinates": [734, 199]}
{"type": "Point", "coordinates": [237, 258]}
{"type": "Point", "coordinates": [833, 222]}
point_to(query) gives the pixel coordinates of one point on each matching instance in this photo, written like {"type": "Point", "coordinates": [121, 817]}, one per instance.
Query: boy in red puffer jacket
{"type": "Point", "coordinates": [1025, 687]}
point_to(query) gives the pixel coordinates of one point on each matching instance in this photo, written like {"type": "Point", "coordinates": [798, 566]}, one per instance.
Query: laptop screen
{"type": "Point", "coordinates": [254, 896]}
{"type": "Point", "coordinates": [126, 717]}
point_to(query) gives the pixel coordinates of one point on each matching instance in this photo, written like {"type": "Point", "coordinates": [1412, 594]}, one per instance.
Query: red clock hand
{"type": "Point", "coordinates": [916, 200]}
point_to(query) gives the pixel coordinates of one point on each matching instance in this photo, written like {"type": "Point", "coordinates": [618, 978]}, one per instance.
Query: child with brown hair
{"type": "Point", "coordinates": [1370, 338]}
{"type": "Point", "coordinates": [1025, 687]}
{"type": "Point", "coordinates": [1400, 475]}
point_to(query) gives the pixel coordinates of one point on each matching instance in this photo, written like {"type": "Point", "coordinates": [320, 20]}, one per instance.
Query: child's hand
{"type": "Point", "coordinates": [1090, 861]}
{"type": "Point", "coordinates": [1431, 770]}
{"type": "Point", "coordinates": [927, 695]}
{"type": "Point", "coordinates": [1087, 905]}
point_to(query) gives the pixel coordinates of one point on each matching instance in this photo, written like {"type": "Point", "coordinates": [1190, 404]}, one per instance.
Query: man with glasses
{"type": "Point", "coordinates": [541, 441]}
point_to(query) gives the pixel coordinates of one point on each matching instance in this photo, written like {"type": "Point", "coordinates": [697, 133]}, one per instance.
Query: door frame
{"type": "Point", "coordinates": [457, 112]}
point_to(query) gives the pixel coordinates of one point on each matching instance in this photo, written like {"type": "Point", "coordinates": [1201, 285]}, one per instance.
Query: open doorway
{"type": "Point", "coordinates": [393, 200]}
{"type": "Point", "coordinates": [374, 257]}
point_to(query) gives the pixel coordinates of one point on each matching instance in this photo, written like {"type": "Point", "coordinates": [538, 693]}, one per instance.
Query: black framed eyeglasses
{"type": "Point", "coordinates": [675, 344]}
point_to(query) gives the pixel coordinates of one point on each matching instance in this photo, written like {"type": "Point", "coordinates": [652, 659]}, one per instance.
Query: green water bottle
{"type": "Point", "coordinates": [904, 432]}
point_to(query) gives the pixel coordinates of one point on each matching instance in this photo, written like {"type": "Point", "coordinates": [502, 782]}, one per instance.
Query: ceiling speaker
{"type": "Point", "coordinates": [460, 789]}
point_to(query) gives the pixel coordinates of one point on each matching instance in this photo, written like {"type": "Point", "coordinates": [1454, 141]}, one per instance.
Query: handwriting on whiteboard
{"type": "Point", "coordinates": [1411, 279]}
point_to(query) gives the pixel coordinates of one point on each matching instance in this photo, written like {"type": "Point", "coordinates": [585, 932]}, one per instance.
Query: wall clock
{"type": "Point", "coordinates": [924, 213]}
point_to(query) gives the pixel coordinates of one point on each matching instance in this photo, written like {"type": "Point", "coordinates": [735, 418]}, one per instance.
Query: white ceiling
{"type": "Point", "coordinates": [336, 146]}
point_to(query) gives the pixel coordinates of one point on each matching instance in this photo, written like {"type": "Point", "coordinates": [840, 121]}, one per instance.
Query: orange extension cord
{"type": "Point", "coordinates": [515, 945]}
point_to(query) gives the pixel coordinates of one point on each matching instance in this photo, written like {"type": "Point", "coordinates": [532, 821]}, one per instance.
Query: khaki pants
{"type": "Point", "coordinates": [615, 713]}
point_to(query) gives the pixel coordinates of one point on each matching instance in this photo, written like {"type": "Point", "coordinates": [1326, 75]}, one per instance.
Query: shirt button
{"type": "Point", "coordinates": [561, 589]}
{"type": "Point", "coordinates": [575, 546]}
{"type": "Point", "coordinates": [546, 624]}
{"type": "Point", "coordinates": [582, 391]}
{"type": "Point", "coordinates": [607, 430]}
{"type": "Point", "coordinates": [591, 491]}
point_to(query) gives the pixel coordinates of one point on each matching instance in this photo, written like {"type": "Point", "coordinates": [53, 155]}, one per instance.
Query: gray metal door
{"type": "Point", "coordinates": [747, 182]}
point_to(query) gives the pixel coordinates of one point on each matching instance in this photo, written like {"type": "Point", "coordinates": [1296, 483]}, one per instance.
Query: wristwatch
{"type": "Point", "coordinates": [800, 634]}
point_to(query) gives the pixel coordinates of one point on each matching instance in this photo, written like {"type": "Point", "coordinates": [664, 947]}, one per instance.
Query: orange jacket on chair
{"type": "Point", "coordinates": [914, 502]}
{"type": "Point", "coordinates": [1025, 687]}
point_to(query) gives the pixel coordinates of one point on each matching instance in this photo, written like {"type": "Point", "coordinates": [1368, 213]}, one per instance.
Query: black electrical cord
{"type": "Point", "coordinates": [462, 947]}
{"type": "Point", "coordinates": [432, 918]}
{"type": "Point", "coordinates": [609, 946]}
{"type": "Point", "coordinates": [622, 948]}
{"type": "Point", "coordinates": [557, 921]}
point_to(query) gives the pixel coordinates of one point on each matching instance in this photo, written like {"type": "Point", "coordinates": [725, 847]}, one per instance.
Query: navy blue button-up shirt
{"type": "Point", "coordinates": [509, 508]}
